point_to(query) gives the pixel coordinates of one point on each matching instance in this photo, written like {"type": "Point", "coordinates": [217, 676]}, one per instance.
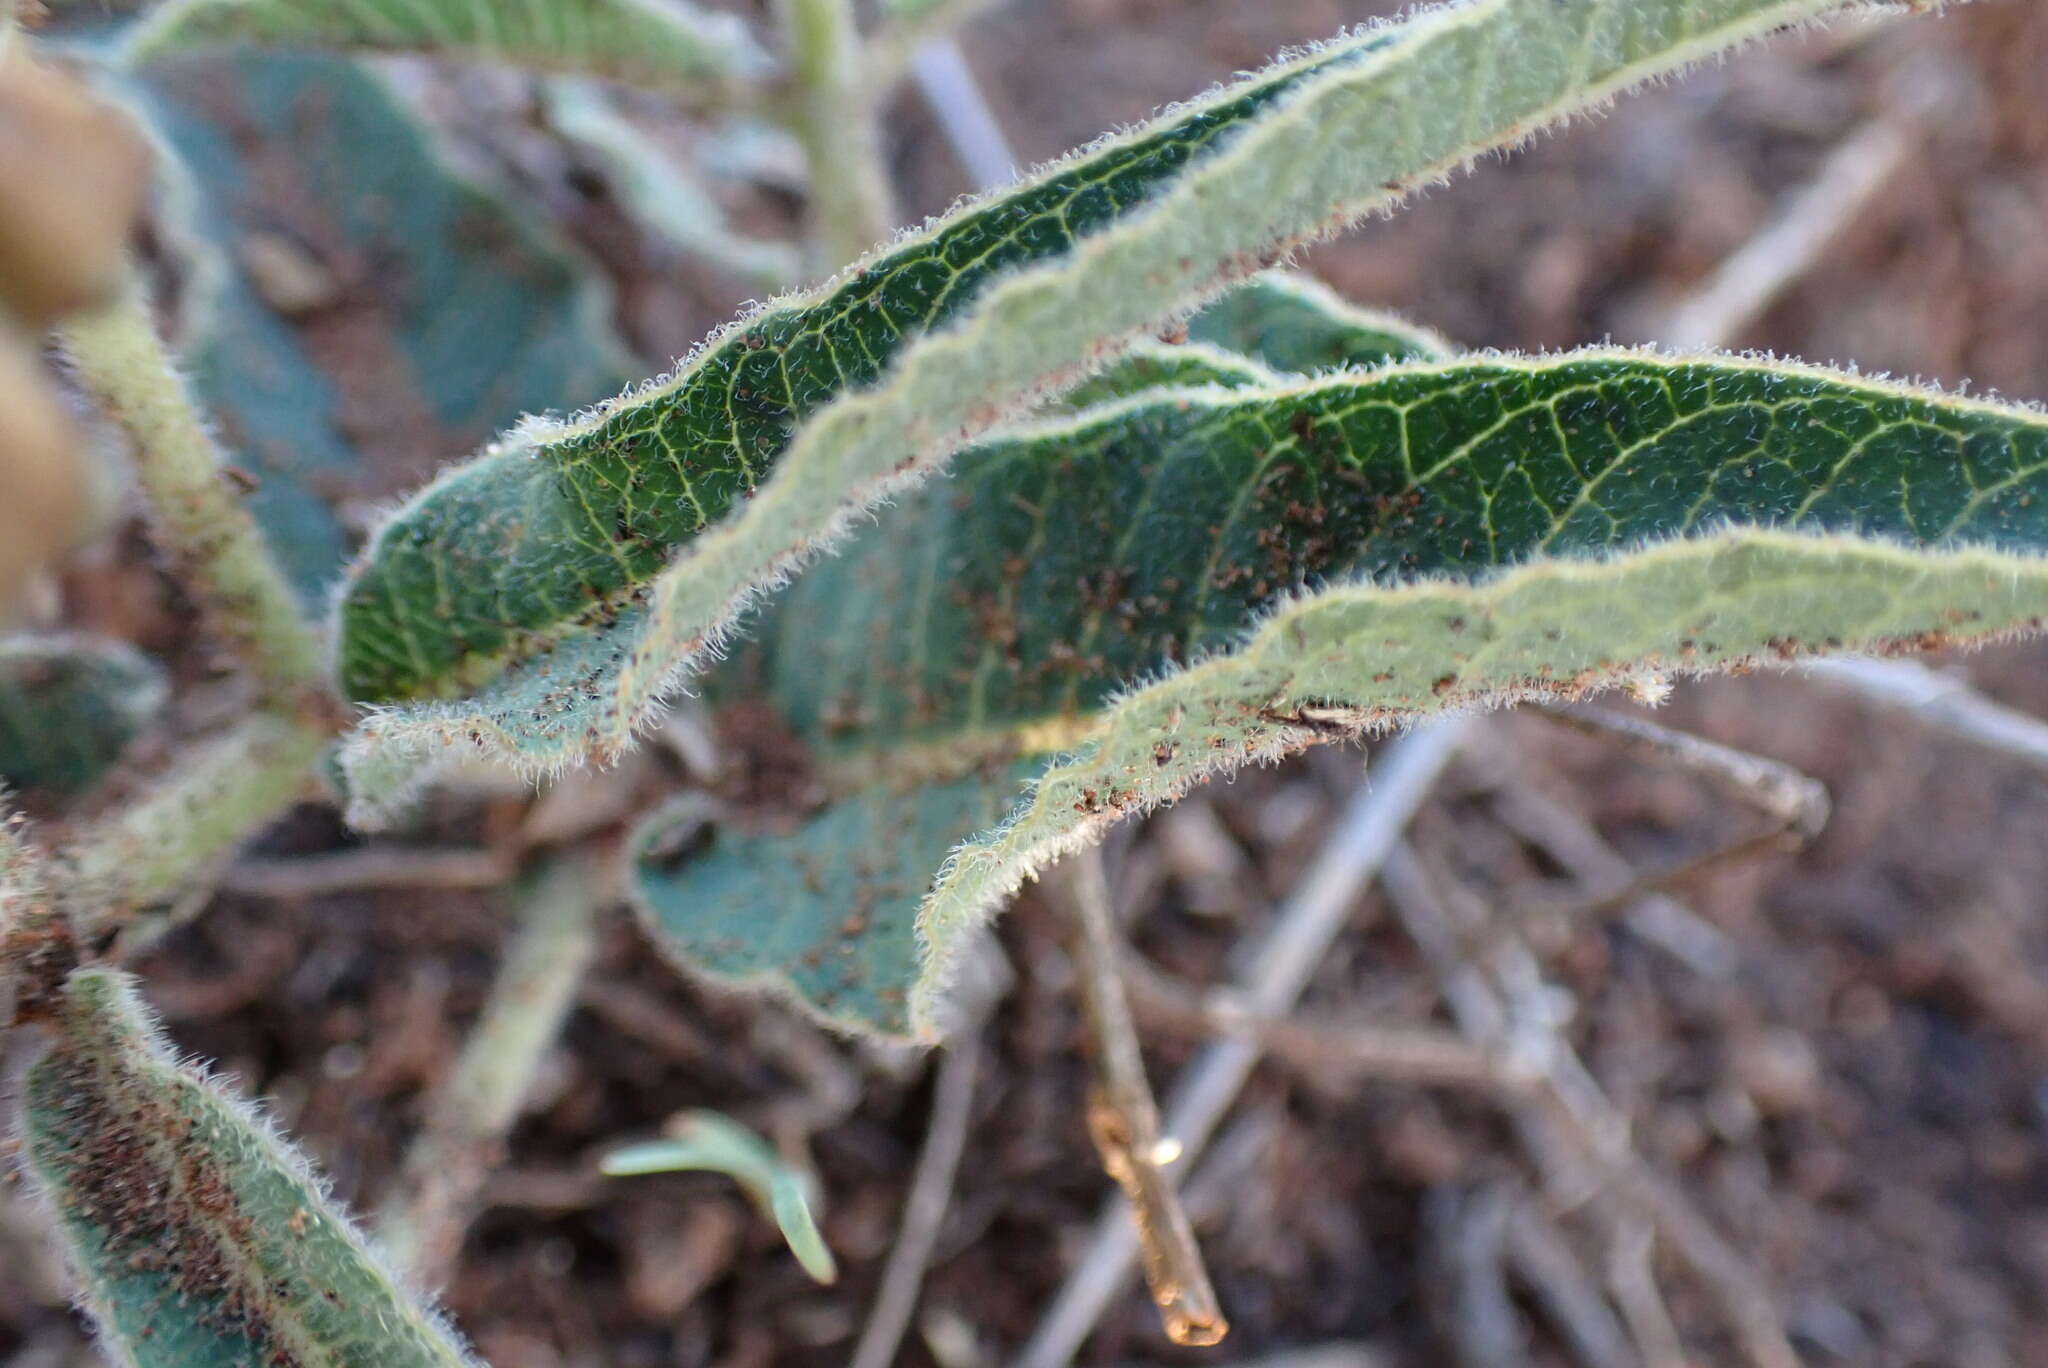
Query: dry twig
{"type": "Point", "coordinates": [365, 867]}
{"type": "Point", "coordinates": [1940, 701]}
{"type": "Point", "coordinates": [1577, 1141]}
{"type": "Point", "coordinates": [1545, 1263]}
{"type": "Point", "coordinates": [1123, 1119]}
{"type": "Point", "coordinates": [1604, 877]}
{"type": "Point", "coordinates": [1301, 933]}
{"type": "Point", "coordinates": [1467, 1231]}
{"type": "Point", "coordinates": [949, 88]}
{"type": "Point", "coordinates": [924, 1211]}
{"type": "Point", "coordinates": [1323, 1050]}
{"type": "Point", "coordinates": [1795, 805]}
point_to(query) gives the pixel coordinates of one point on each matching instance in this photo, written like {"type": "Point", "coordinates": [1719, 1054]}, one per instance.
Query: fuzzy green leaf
{"type": "Point", "coordinates": [548, 570]}
{"type": "Point", "coordinates": [715, 1143]}
{"type": "Point", "coordinates": [1296, 323]}
{"type": "Point", "coordinates": [305, 189]}
{"type": "Point", "coordinates": [1316, 561]}
{"type": "Point", "coordinates": [68, 707]}
{"type": "Point", "coordinates": [669, 46]}
{"type": "Point", "coordinates": [200, 1239]}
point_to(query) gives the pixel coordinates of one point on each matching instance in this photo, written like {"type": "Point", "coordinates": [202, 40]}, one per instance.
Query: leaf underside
{"type": "Point", "coordinates": [199, 1239]}
{"type": "Point", "coordinates": [1303, 562]}
{"type": "Point", "coordinates": [459, 315]}
{"type": "Point", "coordinates": [540, 588]}
{"type": "Point", "coordinates": [68, 707]}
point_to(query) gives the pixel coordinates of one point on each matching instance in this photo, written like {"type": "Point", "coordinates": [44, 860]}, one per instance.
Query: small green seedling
{"type": "Point", "coordinates": [710, 1142]}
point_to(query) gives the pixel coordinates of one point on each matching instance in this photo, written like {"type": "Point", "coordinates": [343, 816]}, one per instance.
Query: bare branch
{"type": "Point", "coordinates": [954, 96]}
{"type": "Point", "coordinates": [1798, 804]}
{"type": "Point", "coordinates": [1545, 1263]}
{"type": "Point", "coordinates": [1940, 701]}
{"type": "Point", "coordinates": [1322, 1050]}
{"type": "Point", "coordinates": [1302, 931]}
{"type": "Point", "coordinates": [367, 867]}
{"type": "Point", "coordinates": [924, 1212]}
{"type": "Point", "coordinates": [1123, 1119]}
{"type": "Point", "coordinates": [1577, 1141]}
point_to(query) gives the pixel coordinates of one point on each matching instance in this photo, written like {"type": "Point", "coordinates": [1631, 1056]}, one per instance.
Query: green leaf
{"type": "Point", "coordinates": [69, 706]}
{"type": "Point", "coordinates": [1296, 323]}
{"type": "Point", "coordinates": [461, 314]}
{"type": "Point", "coordinates": [548, 568]}
{"type": "Point", "coordinates": [1192, 580]}
{"type": "Point", "coordinates": [200, 1239]}
{"type": "Point", "coordinates": [669, 46]}
{"type": "Point", "coordinates": [712, 1142]}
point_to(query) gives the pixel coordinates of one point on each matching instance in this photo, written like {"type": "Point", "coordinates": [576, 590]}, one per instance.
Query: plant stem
{"type": "Point", "coordinates": [210, 799]}
{"type": "Point", "coordinates": [1123, 1119]}
{"type": "Point", "coordinates": [200, 521]}
{"type": "Point", "coordinates": [1322, 901]}
{"type": "Point", "coordinates": [467, 1121]}
{"type": "Point", "coordinates": [834, 114]}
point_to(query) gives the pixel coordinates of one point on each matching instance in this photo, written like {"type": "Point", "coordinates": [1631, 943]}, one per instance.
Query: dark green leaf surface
{"type": "Point", "coordinates": [1052, 570]}
{"type": "Point", "coordinates": [519, 545]}
{"type": "Point", "coordinates": [200, 1240]}
{"type": "Point", "coordinates": [68, 707]}
{"type": "Point", "coordinates": [1005, 610]}
{"type": "Point", "coordinates": [536, 606]}
{"type": "Point", "coordinates": [429, 315]}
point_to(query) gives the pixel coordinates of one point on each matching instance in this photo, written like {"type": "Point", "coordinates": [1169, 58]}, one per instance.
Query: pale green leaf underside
{"type": "Point", "coordinates": [475, 314]}
{"type": "Point", "coordinates": [715, 1143]}
{"type": "Point", "coordinates": [670, 46]}
{"type": "Point", "coordinates": [775, 436]}
{"type": "Point", "coordinates": [199, 1239]}
{"type": "Point", "coordinates": [1194, 538]}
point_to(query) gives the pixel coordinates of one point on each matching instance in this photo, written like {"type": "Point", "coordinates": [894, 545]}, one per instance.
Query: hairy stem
{"type": "Point", "coordinates": [207, 803]}
{"type": "Point", "coordinates": [468, 1119]}
{"type": "Point", "coordinates": [834, 115]}
{"type": "Point", "coordinates": [195, 505]}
